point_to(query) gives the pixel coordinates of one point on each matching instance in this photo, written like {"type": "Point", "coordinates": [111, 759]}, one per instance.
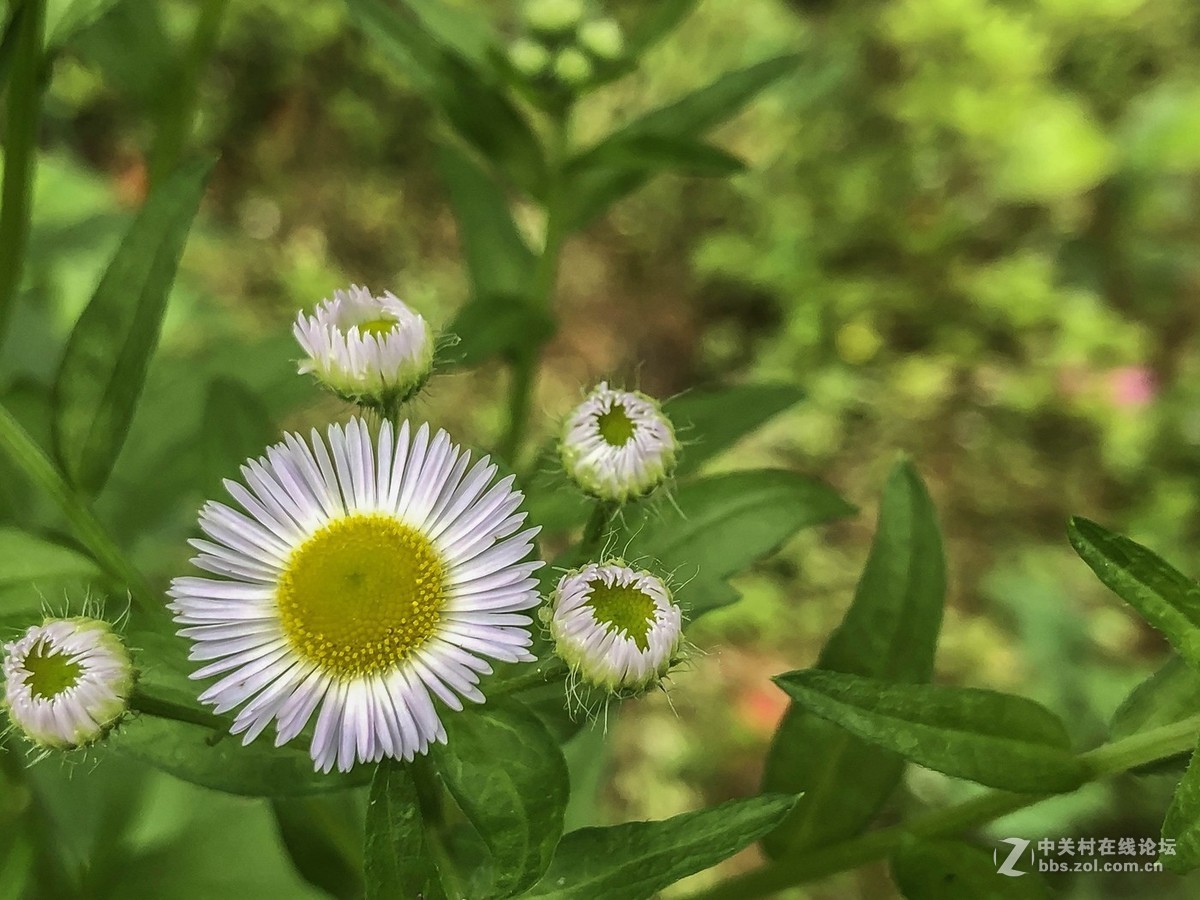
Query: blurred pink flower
{"type": "Point", "coordinates": [1132, 386]}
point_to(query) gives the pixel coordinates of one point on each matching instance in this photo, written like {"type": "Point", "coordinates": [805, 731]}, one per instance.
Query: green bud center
{"type": "Point", "coordinates": [615, 426]}
{"type": "Point", "coordinates": [51, 672]}
{"type": "Point", "coordinates": [626, 609]}
{"type": "Point", "coordinates": [376, 326]}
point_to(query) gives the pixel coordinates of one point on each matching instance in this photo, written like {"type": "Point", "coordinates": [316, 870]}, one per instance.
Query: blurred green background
{"type": "Point", "coordinates": [968, 229]}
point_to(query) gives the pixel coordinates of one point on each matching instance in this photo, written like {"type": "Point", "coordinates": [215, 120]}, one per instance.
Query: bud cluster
{"type": "Point", "coordinates": [564, 47]}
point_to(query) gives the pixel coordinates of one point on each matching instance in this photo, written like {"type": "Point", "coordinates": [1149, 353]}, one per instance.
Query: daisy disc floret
{"type": "Point", "coordinates": [616, 627]}
{"type": "Point", "coordinates": [618, 445]}
{"type": "Point", "coordinates": [374, 351]}
{"type": "Point", "coordinates": [363, 578]}
{"type": "Point", "coordinates": [67, 682]}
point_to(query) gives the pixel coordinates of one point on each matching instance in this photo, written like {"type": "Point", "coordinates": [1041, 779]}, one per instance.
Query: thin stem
{"type": "Point", "coordinates": [597, 528]}
{"type": "Point", "coordinates": [1109, 759]}
{"type": "Point", "coordinates": [175, 124]}
{"type": "Point", "coordinates": [22, 115]}
{"type": "Point", "coordinates": [525, 363]}
{"type": "Point", "coordinates": [543, 673]}
{"type": "Point", "coordinates": [28, 456]}
{"type": "Point", "coordinates": [167, 709]}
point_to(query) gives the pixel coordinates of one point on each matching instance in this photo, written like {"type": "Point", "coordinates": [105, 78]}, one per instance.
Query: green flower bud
{"type": "Point", "coordinates": [552, 16]}
{"type": "Point", "coordinates": [602, 38]}
{"type": "Point", "coordinates": [529, 57]}
{"type": "Point", "coordinates": [573, 68]}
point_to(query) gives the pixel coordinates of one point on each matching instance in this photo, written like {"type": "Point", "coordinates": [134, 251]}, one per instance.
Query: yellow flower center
{"type": "Point", "coordinates": [376, 326]}
{"type": "Point", "coordinates": [626, 609]}
{"type": "Point", "coordinates": [615, 426]}
{"type": "Point", "coordinates": [361, 595]}
{"type": "Point", "coordinates": [50, 671]}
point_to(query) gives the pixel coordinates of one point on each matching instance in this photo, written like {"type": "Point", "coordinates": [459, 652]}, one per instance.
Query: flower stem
{"type": "Point", "coordinates": [29, 457]}
{"type": "Point", "coordinates": [596, 528]}
{"type": "Point", "coordinates": [1109, 759]}
{"type": "Point", "coordinates": [167, 709]}
{"type": "Point", "coordinates": [23, 113]}
{"type": "Point", "coordinates": [543, 673]}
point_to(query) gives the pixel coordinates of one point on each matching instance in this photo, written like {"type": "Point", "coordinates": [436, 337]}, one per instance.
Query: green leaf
{"type": "Point", "coordinates": [8, 41]}
{"type": "Point", "coordinates": [465, 32]}
{"type": "Point", "coordinates": [889, 632]}
{"type": "Point", "coordinates": [1170, 695]}
{"type": "Point", "coordinates": [498, 326]}
{"type": "Point", "coordinates": [636, 860]}
{"type": "Point", "coordinates": [719, 525]}
{"type": "Point", "coordinates": [323, 835]}
{"type": "Point", "coordinates": [104, 365]}
{"type": "Point", "coordinates": [651, 153]}
{"type": "Point", "coordinates": [67, 18]}
{"type": "Point", "coordinates": [1182, 824]}
{"type": "Point", "coordinates": [479, 111]}
{"type": "Point", "coordinates": [397, 860]}
{"type": "Point", "coordinates": [1167, 599]}
{"type": "Point", "coordinates": [994, 739]}
{"type": "Point", "coordinates": [710, 422]}
{"type": "Point", "coordinates": [595, 189]}
{"type": "Point", "coordinates": [193, 753]}
{"type": "Point", "coordinates": [951, 870]}
{"type": "Point", "coordinates": [499, 261]}
{"type": "Point", "coordinates": [26, 559]}
{"type": "Point", "coordinates": [508, 776]}
{"type": "Point", "coordinates": [236, 426]}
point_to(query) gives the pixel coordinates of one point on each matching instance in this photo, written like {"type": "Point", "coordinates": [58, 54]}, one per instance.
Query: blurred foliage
{"type": "Point", "coordinates": [967, 228]}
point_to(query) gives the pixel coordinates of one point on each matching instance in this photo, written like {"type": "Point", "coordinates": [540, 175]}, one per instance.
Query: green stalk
{"type": "Point", "coordinates": [525, 364]}
{"type": "Point", "coordinates": [178, 115]}
{"type": "Point", "coordinates": [166, 709]}
{"type": "Point", "coordinates": [596, 528]}
{"type": "Point", "coordinates": [22, 114]}
{"type": "Point", "coordinates": [1109, 759]}
{"type": "Point", "coordinates": [433, 813]}
{"type": "Point", "coordinates": [16, 443]}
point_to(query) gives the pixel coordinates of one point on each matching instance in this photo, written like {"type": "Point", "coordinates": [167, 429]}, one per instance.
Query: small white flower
{"type": "Point", "coordinates": [614, 626]}
{"type": "Point", "coordinates": [67, 682]}
{"type": "Point", "coordinates": [376, 351]}
{"type": "Point", "coordinates": [618, 445]}
{"type": "Point", "coordinates": [363, 579]}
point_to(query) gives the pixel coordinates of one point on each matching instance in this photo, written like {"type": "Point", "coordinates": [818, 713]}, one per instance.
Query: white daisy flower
{"type": "Point", "coordinates": [67, 682]}
{"type": "Point", "coordinates": [376, 351]}
{"type": "Point", "coordinates": [616, 627]}
{"type": "Point", "coordinates": [617, 445]}
{"type": "Point", "coordinates": [363, 579]}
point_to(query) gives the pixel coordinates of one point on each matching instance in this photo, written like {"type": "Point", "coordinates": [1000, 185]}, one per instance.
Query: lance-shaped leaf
{"type": "Point", "coordinates": [890, 632]}
{"type": "Point", "coordinates": [636, 860]}
{"type": "Point", "coordinates": [1170, 695]}
{"type": "Point", "coordinates": [323, 836]}
{"type": "Point", "coordinates": [1182, 824]}
{"type": "Point", "coordinates": [203, 756]}
{"type": "Point", "coordinates": [597, 184]}
{"type": "Point", "coordinates": [951, 870]}
{"type": "Point", "coordinates": [1165, 597]}
{"type": "Point", "coordinates": [995, 739]}
{"type": "Point", "coordinates": [508, 776]}
{"type": "Point", "coordinates": [104, 364]}
{"type": "Point", "coordinates": [657, 21]}
{"type": "Point", "coordinates": [397, 859]}
{"type": "Point", "coordinates": [25, 559]}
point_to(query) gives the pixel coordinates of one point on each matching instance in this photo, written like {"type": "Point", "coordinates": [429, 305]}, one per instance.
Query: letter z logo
{"type": "Point", "coordinates": [1019, 846]}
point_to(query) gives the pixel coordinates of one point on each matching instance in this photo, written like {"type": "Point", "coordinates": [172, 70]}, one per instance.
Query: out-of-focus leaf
{"type": "Point", "coordinates": [1169, 695]}
{"type": "Point", "coordinates": [890, 631]}
{"type": "Point", "coordinates": [1166, 598]}
{"type": "Point", "coordinates": [493, 326]}
{"type": "Point", "coordinates": [951, 870]}
{"type": "Point", "coordinates": [131, 46]}
{"type": "Point", "coordinates": [104, 365]}
{"type": "Point", "coordinates": [636, 860]}
{"type": "Point", "coordinates": [66, 18]}
{"type": "Point", "coordinates": [236, 427]}
{"type": "Point", "coordinates": [1182, 824]}
{"type": "Point", "coordinates": [708, 423]}
{"type": "Point", "coordinates": [8, 41]}
{"type": "Point", "coordinates": [597, 187]}
{"type": "Point", "coordinates": [397, 860]}
{"type": "Point", "coordinates": [26, 559]}
{"type": "Point", "coordinates": [657, 21]}
{"type": "Point", "coordinates": [653, 152]}
{"type": "Point", "coordinates": [323, 836]}
{"type": "Point", "coordinates": [498, 260]}
{"type": "Point", "coordinates": [463, 30]}
{"type": "Point", "coordinates": [479, 111]}
{"type": "Point", "coordinates": [508, 776]}
{"type": "Point", "coordinates": [190, 752]}
{"type": "Point", "coordinates": [999, 740]}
